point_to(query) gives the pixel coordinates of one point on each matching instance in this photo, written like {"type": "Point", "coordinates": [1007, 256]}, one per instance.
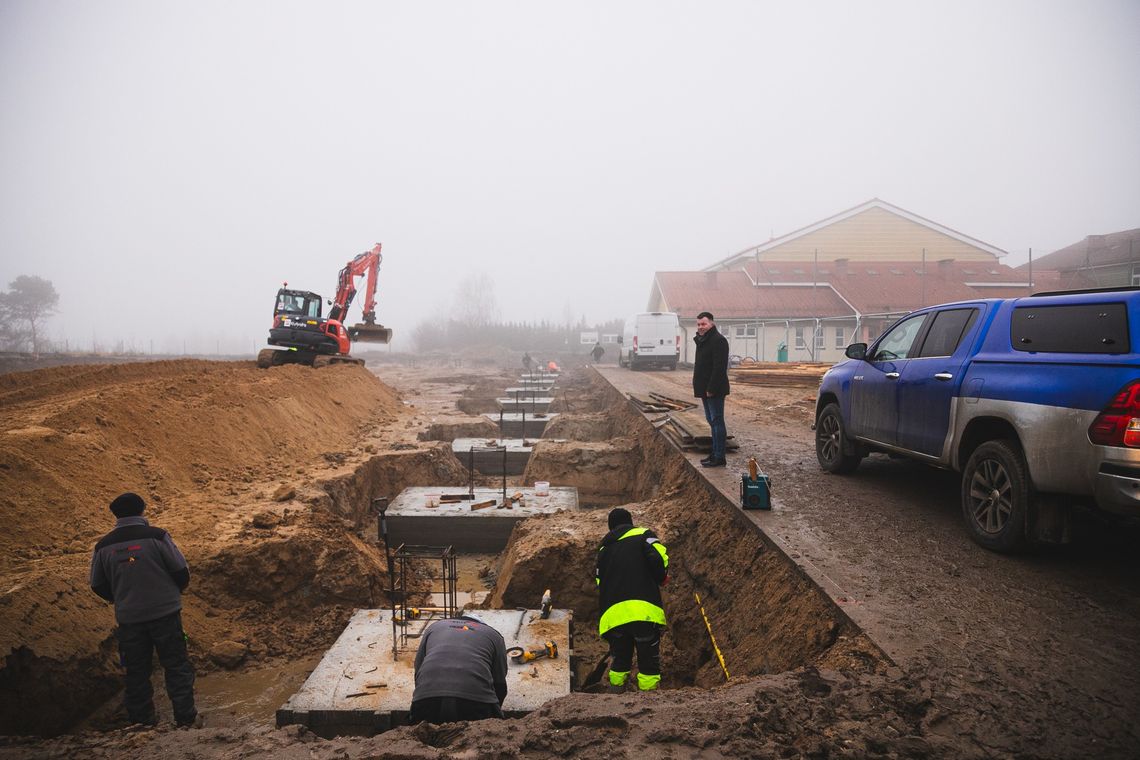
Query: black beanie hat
{"type": "Point", "coordinates": [128, 505]}
{"type": "Point", "coordinates": [620, 516]}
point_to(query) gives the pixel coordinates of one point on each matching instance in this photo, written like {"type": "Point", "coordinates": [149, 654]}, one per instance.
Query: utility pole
{"type": "Point", "coordinates": [1031, 269]}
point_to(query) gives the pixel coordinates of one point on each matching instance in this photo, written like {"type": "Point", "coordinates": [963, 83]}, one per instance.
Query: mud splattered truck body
{"type": "Point", "coordinates": [1035, 400]}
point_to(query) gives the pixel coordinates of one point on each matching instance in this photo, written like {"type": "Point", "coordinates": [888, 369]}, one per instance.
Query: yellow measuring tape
{"type": "Point", "coordinates": [716, 649]}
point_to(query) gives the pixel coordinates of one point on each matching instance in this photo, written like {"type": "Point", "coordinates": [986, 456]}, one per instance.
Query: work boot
{"type": "Point", "coordinates": [714, 462]}
{"type": "Point", "coordinates": [707, 460]}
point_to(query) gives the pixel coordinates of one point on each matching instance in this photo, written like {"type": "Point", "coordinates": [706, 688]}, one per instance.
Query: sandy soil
{"type": "Point", "coordinates": [971, 655]}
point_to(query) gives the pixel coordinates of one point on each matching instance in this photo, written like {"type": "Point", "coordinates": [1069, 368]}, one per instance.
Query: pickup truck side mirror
{"type": "Point", "coordinates": [856, 351]}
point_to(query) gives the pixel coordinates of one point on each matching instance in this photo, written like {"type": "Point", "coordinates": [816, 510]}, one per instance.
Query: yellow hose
{"type": "Point", "coordinates": [716, 649]}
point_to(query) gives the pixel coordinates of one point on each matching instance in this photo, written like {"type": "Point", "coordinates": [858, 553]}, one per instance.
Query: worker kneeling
{"type": "Point", "coordinates": [632, 566]}
{"type": "Point", "coordinates": [460, 672]}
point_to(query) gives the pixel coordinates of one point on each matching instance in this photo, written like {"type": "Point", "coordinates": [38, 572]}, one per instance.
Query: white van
{"type": "Point", "coordinates": [651, 338]}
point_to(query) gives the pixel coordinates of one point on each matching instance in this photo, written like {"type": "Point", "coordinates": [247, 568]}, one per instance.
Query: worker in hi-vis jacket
{"type": "Point", "coordinates": [632, 566]}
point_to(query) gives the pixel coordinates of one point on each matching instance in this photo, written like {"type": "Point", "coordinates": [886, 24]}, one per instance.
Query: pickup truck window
{"type": "Point", "coordinates": [897, 344]}
{"type": "Point", "coordinates": [946, 331]}
{"type": "Point", "coordinates": [1099, 328]}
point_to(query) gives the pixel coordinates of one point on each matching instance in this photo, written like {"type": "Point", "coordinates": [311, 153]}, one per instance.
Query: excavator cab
{"type": "Point", "coordinates": [298, 302]}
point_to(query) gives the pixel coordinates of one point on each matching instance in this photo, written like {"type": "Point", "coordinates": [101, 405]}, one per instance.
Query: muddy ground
{"type": "Point", "coordinates": [217, 449]}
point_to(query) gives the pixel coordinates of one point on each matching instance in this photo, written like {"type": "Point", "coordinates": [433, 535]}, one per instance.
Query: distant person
{"type": "Point", "coordinates": [632, 566]}
{"type": "Point", "coordinates": [460, 672]}
{"type": "Point", "coordinates": [552, 366]}
{"type": "Point", "coordinates": [710, 383]}
{"type": "Point", "coordinates": [527, 361]}
{"type": "Point", "coordinates": [139, 569]}
{"type": "Point", "coordinates": [598, 352]}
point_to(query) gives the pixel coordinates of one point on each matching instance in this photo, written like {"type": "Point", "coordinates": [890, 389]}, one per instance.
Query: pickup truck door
{"type": "Point", "coordinates": [932, 377]}
{"type": "Point", "coordinates": [874, 387]}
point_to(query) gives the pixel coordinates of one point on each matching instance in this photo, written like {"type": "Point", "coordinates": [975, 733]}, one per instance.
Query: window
{"type": "Point", "coordinates": [946, 331]}
{"type": "Point", "coordinates": [800, 342]}
{"type": "Point", "coordinates": [819, 338]}
{"type": "Point", "coordinates": [1093, 328]}
{"type": "Point", "coordinates": [1136, 275]}
{"type": "Point", "coordinates": [746, 331]}
{"type": "Point", "coordinates": [897, 343]}
{"type": "Point", "coordinates": [840, 338]}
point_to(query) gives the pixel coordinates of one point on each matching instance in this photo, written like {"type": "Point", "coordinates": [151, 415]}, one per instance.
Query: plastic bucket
{"type": "Point", "coordinates": [541, 488]}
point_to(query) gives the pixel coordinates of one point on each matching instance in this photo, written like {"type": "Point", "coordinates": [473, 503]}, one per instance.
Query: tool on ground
{"type": "Point", "coordinates": [719, 656]}
{"type": "Point", "coordinates": [547, 603]}
{"type": "Point", "coordinates": [523, 656]}
{"type": "Point", "coordinates": [413, 613]}
{"type": "Point", "coordinates": [522, 618]}
{"type": "Point", "coordinates": [595, 675]}
{"type": "Point", "coordinates": [755, 488]}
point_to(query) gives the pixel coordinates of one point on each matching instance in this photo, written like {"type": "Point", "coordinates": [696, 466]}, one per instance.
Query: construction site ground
{"type": "Point", "coordinates": [855, 619]}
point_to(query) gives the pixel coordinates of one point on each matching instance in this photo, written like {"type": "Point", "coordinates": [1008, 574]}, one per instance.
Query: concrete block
{"type": "Point", "coordinates": [482, 531]}
{"type": "Point", "coordinates": [513, 423]}
{"type": "Point", "coordinates": [342, 696]}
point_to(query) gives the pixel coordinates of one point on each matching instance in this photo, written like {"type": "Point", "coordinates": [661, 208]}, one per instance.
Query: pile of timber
{"type": "Point", "coordinates": [655, 402]}
{"type": "Point", "coordinates": [779, 374]}
{"type": "Point", "coordinates": [690, 431]}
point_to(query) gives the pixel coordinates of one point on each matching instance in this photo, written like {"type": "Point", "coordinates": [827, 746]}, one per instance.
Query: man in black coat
{"type": "Point", "coordinates": [710, 383]}
{"type": "Point", "coordinates": [139, 569]}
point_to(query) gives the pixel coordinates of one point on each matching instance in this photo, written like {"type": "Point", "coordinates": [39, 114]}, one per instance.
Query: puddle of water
{"type": "Point", "coordinates": [250, 695]}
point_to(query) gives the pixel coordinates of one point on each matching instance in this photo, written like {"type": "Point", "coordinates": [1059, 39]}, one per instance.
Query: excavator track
{"type": "Point", "coordinates": [324, 361]}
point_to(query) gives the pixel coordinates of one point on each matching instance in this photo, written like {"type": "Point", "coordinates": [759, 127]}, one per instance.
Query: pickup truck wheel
{"type": "Point", "coordinates": [995, 495]}
{"type": "Point", "coordinates": [830, 442]}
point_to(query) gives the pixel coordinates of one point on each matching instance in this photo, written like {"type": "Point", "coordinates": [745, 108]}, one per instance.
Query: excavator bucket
{"type": "Point", "coordinates": [363, 332]}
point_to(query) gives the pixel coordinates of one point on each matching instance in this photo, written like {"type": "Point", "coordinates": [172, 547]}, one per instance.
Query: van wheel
{"type": "Point", "coordinates": [830, 442]}
{"type": "Point", "coordinates": [995, 496]}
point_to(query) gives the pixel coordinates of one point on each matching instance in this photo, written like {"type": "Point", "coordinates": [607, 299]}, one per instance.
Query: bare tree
{"type": "Point", "coordinates": [29, 301]}
{"type": "Point", "coordinates": [475, 301]}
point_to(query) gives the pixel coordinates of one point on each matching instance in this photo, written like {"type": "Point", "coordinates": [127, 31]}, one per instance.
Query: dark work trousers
{"type": "Point", "coordinates": [642, 636]}
{"type": "Point", "coordinates": [450, 710]}
{"type": "Point", "coordinates": [714, 413]}
{"type": "Point", "coordinates": [137, 644]}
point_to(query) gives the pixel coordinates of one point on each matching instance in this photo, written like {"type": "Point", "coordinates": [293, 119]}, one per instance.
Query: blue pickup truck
{"type": "Point", "coordinates": [1035, 400]}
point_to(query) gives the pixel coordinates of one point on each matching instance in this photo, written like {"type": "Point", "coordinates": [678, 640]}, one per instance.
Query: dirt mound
{"type": "Point", "coordinates": [479, 427]}
{"type": "Point", "coordinates": [600, 471]}
{"type": "Point", "coordinates": [583, 427]}
{"type": "Point", "coordinates": [206, 444]}
{"type": "Point", "coordinates": [480, 395]}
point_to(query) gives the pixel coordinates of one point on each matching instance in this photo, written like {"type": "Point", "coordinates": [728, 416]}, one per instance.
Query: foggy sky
{"type": "Point", "coordinates": [168, 164]}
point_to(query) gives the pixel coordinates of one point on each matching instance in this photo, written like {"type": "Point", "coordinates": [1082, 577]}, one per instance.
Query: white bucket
{"type": "Point", "coordinates": [541, 488]}
{"type": "Point", "coordinates": [431, 499]}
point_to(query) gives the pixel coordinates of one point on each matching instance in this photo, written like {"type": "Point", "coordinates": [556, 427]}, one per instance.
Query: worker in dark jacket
{"type": "Point", "coordinates": [710, 383]}
{"type": "Point", "coordinates": [461, 672]}
{"type": "Point", "coordinates": [140, 570]}
{"type": "Point", "coordinates": [632, 566]}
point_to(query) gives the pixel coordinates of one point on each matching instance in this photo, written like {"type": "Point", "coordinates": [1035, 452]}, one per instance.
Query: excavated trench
{"type": "Point", "coordinates": [310, 559]}
{"type": "Point", "coordinates": [765, 614]}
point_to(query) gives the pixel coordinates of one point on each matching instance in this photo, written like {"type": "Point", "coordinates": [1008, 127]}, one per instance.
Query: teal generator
{"type": "Point", "coordinates": [755, 494]}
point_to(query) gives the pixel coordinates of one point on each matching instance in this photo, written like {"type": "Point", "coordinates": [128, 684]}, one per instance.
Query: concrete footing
{"type": "Point", "coordinates": [411, 519]}
{"type": "Point", "coordinates": [488, 459]}
{"type": "Point", "coordinates": [513, 424]}
{"type": "Point", "coordinates": [360, 689]}
{"type": "Point", "coordinates": [529, 404]}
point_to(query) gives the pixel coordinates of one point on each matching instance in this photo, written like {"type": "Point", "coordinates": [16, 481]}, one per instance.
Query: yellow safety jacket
{"type": "Point", "coordinates": [632, 566]}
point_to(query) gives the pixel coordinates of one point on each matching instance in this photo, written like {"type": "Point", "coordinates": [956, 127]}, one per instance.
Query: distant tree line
{"type": "Point", "coordinates": [455, 335]}
{"type": "Point", "coordinates": [24, 308]}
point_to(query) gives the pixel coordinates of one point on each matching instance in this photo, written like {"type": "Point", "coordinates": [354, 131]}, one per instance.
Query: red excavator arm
{"type": "Point", "coordinates": [366, 263]}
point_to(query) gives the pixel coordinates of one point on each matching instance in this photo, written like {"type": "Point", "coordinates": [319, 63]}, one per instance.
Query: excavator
{"type": "Point", "coordinates": [303, 336]}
